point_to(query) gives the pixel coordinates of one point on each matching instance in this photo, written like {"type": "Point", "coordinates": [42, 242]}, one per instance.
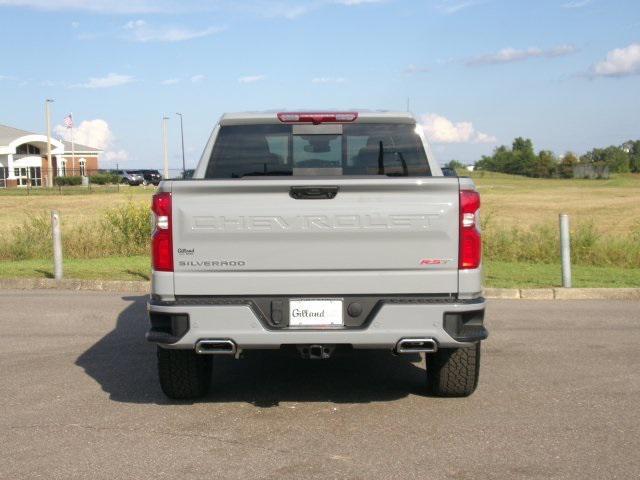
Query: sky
{"type": "Point", "coordinates": [476, 73]}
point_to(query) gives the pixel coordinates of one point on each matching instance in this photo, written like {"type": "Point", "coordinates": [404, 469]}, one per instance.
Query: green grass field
{"type": "Point", "coordinates": [513, 201]}
{"type": "Point", "coordinates": [497, 274]}
{"type": "Point", "coordinates": [110, 268]}
{"type": "Point", "coordinates": [537, 275]}
{"type": "Point", "coordinates": [519, 217]}
{"type": "Point", "coordinates": [507, 201]}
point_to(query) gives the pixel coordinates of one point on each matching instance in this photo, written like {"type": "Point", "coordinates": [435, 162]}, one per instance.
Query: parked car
{"type": "Point", "coordinates": [130, 177]}
{"type": "Point", "coordinates": [149, 176]}
{"type": "Point", "coordinates": [323, 232]}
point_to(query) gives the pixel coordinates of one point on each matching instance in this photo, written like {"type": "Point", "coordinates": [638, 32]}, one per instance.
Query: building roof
{"type": "Point", "coordinates": [78, 147]}
{"type": "Point", "coordinates": [9, 134]}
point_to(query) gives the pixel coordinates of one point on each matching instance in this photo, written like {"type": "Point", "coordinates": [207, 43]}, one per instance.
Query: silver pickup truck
{"type": "Point", "coordinates": [321, 232]}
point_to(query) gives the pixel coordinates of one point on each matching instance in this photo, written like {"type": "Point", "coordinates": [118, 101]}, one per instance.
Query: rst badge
{"type": "Point", "coordinates": [427, 262]}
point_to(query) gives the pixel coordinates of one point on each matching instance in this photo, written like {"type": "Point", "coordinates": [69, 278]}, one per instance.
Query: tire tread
{"type": "Point", "coordinates": [183, 373]}
{"type": "Point", "coordinates": [454, 372]}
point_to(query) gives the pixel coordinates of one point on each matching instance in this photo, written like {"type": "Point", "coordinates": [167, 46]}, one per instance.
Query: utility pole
{"type": "Point", "coordinates": [165, 148]}
{"type": "Point", "coordinates": [73, 146]}
{"type": "Point", "coordinates": [184, 168]}
{"type": "Point", "coordinates": [49, 163]}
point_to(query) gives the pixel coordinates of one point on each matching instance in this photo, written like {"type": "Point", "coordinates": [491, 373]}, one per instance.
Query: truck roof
{"type": "Point", "coordinates": [364, 116]}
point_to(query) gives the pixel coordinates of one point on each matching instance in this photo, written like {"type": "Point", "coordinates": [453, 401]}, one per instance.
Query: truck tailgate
{"type": "Point", "coordinates": [376, 236]}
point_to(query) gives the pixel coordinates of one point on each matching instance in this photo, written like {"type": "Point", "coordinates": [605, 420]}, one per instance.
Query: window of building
{"type": "Point", "coordinates": [21, 174]}
{"type": "Point", "coordinates": [27, 176]}
{"type": "Point", "coordinates": [35, 176]}
{"type": "Point", "coordinates": [27, 149]}
{"type": "Point", "coordinates": [63, 168]}
{"type": "Point", "coordinates": [83, 167]}
{"type": "Point", "coordinates": [4, 173]}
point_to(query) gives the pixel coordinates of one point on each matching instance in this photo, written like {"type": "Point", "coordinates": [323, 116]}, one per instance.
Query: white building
{"type": "Point", "coordinates": [23, 158]}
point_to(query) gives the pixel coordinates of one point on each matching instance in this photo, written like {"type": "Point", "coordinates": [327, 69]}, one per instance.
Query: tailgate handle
{"type": "Point", "coordinates": [313, 193]}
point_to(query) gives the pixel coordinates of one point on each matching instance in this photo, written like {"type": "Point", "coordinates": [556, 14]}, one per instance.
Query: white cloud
{"type": "Point", "coordinates": [560, 51]}
{"type": "Point", "coordinates": [197, 78]}
{"type": "Point", "coordinates": [485, 138]}
{"type": "Point", "coordinates": [290, 9]}
{"type": "Point", "coordinates": [141, 31]}
{"type": "Point", "coordinates": [251, 78]}
{"type": "Point", "coordinates": [620, 62]}
{"type": "Point", "coordinates": [576, 3]}
{"type": "Point", "coordinates": [170, 81]}
{"type": "Point", "coordinates": [454, 6]}
{"type": "Point", "coordinates": [278, 9]}
{"type": "Point", "coordinates": [116, 156]}
{"type": "Point", "coordinates": [266, 8]}
{"type": "Point", "coordinates": [94, 133]}
{"type": "Point", "coordinates": [101, 6]}
{"type": "Point", "coordinates": [508, 55]}
{"type": "Point", "coordinates": [350, 3]}
{"type": "Point", "coordinates": [132, 24]}
{"type": "Point", "coordinates": [75, 24]}
{"type": "Point", "coordinates": [439, 129]}
{"type": "Point", "coordinates": [328, 80]}
{"type": "Point", "coordinates": [111, 80]}
{"type": "Point", "coordinates": [414, 69]}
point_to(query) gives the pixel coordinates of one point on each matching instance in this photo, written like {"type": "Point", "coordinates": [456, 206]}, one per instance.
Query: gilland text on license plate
{"type": "Point", "coordinates": [316, 312]}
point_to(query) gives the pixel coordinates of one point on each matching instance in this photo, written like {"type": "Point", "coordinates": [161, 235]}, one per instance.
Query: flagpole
{"type": "Point", "coordinates": [73, 146]}
{"type": "Point", "coordinates": [49, 163]}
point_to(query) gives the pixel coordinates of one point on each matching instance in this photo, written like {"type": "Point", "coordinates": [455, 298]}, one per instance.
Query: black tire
{"type": "Point", "coordinates": [453, 372]}
{"type": "Point", "coordinates": [184, 374]}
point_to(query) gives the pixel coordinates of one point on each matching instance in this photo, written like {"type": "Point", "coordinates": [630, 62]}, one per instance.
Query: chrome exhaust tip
{"type": "Point", "coordinates": [216, 347]}
{"type": "Point", "coordinates": [417, 345]}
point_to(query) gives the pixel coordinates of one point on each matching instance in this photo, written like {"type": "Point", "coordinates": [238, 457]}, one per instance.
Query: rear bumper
{"type": "Point", "coordinates": [451, 323]}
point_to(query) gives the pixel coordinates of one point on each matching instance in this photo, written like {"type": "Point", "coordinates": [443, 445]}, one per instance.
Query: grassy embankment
{"type": "Point", "coordinates": [498, 274]}
{"type": "Point", "coordinates": [519, 217]}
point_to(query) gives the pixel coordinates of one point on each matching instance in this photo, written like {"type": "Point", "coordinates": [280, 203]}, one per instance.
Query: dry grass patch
{"type": "Point", "coordinates": [15, 207]}
{"type": "Point", "coordinates": [612, 206]}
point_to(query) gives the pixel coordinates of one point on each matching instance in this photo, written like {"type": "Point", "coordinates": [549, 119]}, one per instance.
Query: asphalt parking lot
{"type": "Point", "coordinates": [558, 398]}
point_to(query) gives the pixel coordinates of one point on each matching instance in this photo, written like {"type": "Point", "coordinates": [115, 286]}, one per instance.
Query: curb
{"type": "Point", "coordinates": [492, 293]}
{"type": "Point", "coordinates": [563, 293]}
{"type": "Point", "coordinates": [91, 285]}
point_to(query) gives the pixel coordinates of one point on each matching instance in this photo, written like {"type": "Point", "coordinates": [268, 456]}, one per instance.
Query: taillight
{"type": "Point", "coordinates": [162, 238]}
{"type": "Point", "coordinates": [317, 117]}
{"type": "Point", "coordinates": [470, 241]}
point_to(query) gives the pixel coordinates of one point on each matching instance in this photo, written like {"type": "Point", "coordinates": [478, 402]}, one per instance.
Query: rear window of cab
{"type": "Point", "coordinates": [358, 149]}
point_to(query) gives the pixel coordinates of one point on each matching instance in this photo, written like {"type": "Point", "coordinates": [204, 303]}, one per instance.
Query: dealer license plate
{"type": "Point", "coordinates": [316, 312]}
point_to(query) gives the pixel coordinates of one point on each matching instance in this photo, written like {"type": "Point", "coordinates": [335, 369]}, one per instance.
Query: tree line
{"type": "Point", "coordinates": [521, 159]}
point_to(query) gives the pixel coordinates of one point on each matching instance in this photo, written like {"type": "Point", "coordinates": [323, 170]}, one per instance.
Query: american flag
{"type": "Point", "coordinates": [68, 121]}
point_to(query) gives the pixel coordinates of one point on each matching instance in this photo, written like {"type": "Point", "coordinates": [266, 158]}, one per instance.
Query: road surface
{"type": "Point", "coordinates": [559, 397]}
